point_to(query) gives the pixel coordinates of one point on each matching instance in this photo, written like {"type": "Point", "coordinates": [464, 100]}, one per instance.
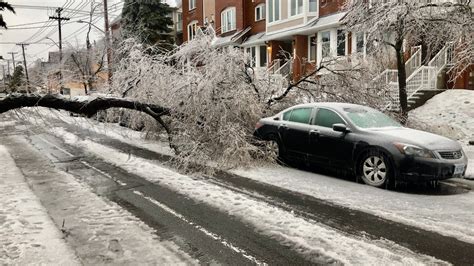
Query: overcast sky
{"type": "Point", "coordinates": [37, 12]}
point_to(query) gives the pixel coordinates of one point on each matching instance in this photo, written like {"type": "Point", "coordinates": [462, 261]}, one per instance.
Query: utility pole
{"type": "Point", "coordinates": [26, 66]}
{"type": "Point", "coordinates": [8, 66]}
{"type": "Point", "coordinates": [60, 19]}
{"type": "Point", "coordinates": [13, 58]}
{"type": "Point", "coordinates": [107, 43]}
{"type": "Point", "coordinates": [4, 78]}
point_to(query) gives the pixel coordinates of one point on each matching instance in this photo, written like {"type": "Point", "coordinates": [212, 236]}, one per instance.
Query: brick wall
{"type": "Point", "coordinates": [191, 15]}
{"type": "Point", "coordinates": [328, 7]}
{"type": "Point", "coordinates": [249, 17]}
{"type": "Point", "coordinates": [239, 10]}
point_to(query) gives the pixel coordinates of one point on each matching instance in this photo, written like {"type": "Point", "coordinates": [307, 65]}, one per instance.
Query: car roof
{"type": "Point", "coordinates": [331, 105]}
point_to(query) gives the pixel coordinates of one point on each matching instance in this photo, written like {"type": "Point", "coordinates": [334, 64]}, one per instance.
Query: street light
{"type": "Point", "coordinates": [107, 47]}
{"type": "Point", "coordinates": [86, 22]}
{"type": "Point", "coordinates": [47, 38]}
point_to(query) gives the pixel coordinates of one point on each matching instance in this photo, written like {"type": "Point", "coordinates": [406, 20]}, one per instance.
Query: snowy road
{"type": "Point", "coordinates": [232, 219]}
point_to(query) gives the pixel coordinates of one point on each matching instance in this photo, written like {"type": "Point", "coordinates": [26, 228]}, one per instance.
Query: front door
{"type": "Point", "coordinates": [327, 146]}
{"type": "Point", "coordinates": [295, 132]}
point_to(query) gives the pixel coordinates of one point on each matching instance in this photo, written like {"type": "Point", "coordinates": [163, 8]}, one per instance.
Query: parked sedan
{"type": "Point", "coordinates": [362, 140]}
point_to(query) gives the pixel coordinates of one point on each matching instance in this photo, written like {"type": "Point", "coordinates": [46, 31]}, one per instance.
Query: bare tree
{"type": "Point", "coordinates": [89, 62]}
{"type": "Point", "coordinates": [409, 22]}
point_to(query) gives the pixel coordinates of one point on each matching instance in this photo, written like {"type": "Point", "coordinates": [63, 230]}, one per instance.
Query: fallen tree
{"type": "Point", "coordinates": [87, 107]}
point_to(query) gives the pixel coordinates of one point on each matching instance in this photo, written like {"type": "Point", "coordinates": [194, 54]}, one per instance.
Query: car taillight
{"type": "Point", "coordinates": [258, 125]}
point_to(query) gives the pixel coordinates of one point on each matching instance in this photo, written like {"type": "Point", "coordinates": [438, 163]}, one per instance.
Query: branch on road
{"type": "Point", "coordinates": [88, 107]}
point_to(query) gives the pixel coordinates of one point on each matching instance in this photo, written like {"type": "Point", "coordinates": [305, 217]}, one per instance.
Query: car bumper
{"type": "Point", "coordinates": [420, 170]}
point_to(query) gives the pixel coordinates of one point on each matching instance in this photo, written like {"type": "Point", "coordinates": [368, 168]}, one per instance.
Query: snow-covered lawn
{"type": "Point", "coordinates": [27, 233]}
{"type": "Point", "coordinates": [306, 237]}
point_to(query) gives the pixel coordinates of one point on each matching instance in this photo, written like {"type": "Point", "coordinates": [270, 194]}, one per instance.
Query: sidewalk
{"type": "Point", "coordinates": [27, 233]}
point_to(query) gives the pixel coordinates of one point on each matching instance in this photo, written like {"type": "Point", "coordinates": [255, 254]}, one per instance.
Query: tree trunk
{"type": "Point", "coordinates": [402, 82]}
{"type": "Point", "coordinates": [87, 108]}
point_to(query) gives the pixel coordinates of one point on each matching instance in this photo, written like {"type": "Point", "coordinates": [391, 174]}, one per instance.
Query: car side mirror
{"type": "Point", "coordinates": [340, 128]}
{"type": "Point", "coordinates": [276, 118]}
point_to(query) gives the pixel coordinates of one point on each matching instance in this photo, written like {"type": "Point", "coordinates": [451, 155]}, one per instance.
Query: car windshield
{"type": "Point", "coordinates": [370, 118]}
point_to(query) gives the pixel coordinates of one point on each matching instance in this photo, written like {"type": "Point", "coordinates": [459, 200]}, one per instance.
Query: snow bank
{"type": "Point", "coordinates": [450, 114]}
{"type": "Point", "coordinates": [27, 234]}
{"type": "Point", "coordinates": [313, 240]}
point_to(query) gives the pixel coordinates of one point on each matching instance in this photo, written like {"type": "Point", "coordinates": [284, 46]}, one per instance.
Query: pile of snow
{"type": "Point", "coordinates": [27, 233]}
{"type": "Point", "coordinates": [450, 114]}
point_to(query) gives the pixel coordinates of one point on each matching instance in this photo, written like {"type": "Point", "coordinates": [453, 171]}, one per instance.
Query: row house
{"type": "Point", "coordinates": [275, 32]}
{"type": "Point", "coordinates": [297, 34]}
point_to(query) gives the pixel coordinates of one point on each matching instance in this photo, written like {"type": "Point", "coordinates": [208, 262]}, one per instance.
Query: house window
{"type": "Point", "coordinates": [341, 43]}
{"type": "Point", "coordinates": [192, 4]}
{"type": "Point", "coordinates": [273, 10]}
{"type": "Point", "coordinates": [260, 12]}
{"type": "Point", "coordinates": [179, 24]}
{"type": "Point", "coordinates": [296, 7]}
{"type": "Point", "coordinates": [325, 43]}
{"type": "Point", "coordinates": [192, 29]}
{"type": "Point", "coordinates": [313, 5]}
{"type": "Point", "coordinates": [228, 20]}
{"type": "Point", "coordinates": [360, 42]}
{"type": "Point", "coordinates": [312, 48]}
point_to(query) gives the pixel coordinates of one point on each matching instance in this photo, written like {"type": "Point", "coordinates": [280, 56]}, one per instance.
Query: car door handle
{"type": "Point", "coordinates": [284, 126]}
{"type": "Point", "coordinates": [314, 132]}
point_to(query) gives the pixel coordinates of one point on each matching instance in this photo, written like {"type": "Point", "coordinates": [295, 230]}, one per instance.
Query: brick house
{"type": "Point", "coordinates": [290, 37]}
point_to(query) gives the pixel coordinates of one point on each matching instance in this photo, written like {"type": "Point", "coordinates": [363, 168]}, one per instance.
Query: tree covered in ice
{"type": "Point", "coordinates": [402, 24]}
{"type": "Point", "coordinates": [216, 98]}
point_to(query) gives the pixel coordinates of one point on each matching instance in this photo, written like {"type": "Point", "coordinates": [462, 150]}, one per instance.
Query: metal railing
{"type": "Point", "coordinates": [414, 62]}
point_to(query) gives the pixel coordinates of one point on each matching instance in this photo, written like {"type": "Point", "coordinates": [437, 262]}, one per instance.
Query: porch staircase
{"type": "Point", "coordinates": [423, 82]}
{"type": "Point", "coordinates": [280, 72]}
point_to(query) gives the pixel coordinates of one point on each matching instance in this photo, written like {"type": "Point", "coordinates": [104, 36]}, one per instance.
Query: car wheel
{"type": "Point", "coordinates": [275, 150]}
{"type": "Point", "coordinates": [375, 169]}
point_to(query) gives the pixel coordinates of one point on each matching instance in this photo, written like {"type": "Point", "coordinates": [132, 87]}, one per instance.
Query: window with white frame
{"type": "Point", "coordinates": [192, 4]}
{"type": "Point", "coordinates": [313, 6]}
{"type": "Point", "coordinates": [312, 48]}
{"type": "Point", "coordinates": [260, 12]}
{"type": "Point", "coordinates": [341, 43]}
{"type": "Point", "coordinates": [325, 44]}
{"type": "Point", "coordinates": [192, 29]}
{"type": "Point", "coordinates": [273, 10]}
{"type": "Point", "coordinates": [296, 7]}
{"type": "Point", "coordinates": [228, 20]}
{"type": "Point", "coordinates": [263, 56]}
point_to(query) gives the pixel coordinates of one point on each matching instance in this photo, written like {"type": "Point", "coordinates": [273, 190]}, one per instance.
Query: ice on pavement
{"type": "Point", "coordinates": [27, 233]}
{"type": "Point", "coordinates": [311, 239]}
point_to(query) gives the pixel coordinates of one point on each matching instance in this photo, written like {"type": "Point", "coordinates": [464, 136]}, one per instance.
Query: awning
{"type": "Point", "coordinates": [234, 39]}
{"type": "Point", "coordinates": [255, 39]}
{"type": "Point", "coordinates": [312, 26]}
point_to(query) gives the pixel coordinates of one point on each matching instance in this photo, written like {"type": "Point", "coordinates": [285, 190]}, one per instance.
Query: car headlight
{"type": "Point", "coordinates": [412, 150]}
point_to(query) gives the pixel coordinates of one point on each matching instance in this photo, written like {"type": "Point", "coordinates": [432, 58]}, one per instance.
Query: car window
{"type": "Point", "coordinates": [327, 118]}
{"type": "Point", "coordinates": [370, 118]}
{"type": "Point", "coordinates": [301, 115]}
{"type": "Point", "coordinates": [286, 115]}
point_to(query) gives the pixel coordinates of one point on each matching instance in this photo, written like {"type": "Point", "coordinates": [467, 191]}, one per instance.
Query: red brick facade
{"type": "Point", "coordinates": [221, 5]}
{"type": "Point", "coordinates": [191, 15]}
{"type": "Point", "coordinates": [249, 16]}
{"type": "Point", "coordinates": [328, 7]}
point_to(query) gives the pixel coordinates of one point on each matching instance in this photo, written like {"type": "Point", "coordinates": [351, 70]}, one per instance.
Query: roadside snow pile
{"type": "Point", "coordinates": [450, 114]}
{"type": "Point", "coordinates": [27, 235]}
